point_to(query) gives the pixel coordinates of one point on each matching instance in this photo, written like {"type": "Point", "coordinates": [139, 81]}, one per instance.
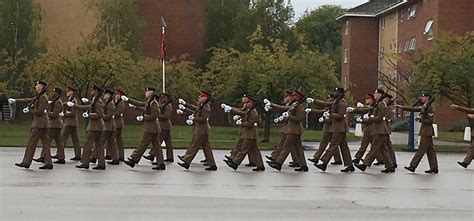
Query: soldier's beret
{"type": "Point", "coordinates": [71, 89]}
{"type": "Point", "coordinates": [150, 89]}
{"type": "Point", "coordinates": [57, 90]}
{"type": "Point", "coordinates": [119, 91]}
{"type": "Point", "coordinates": [42, 83]}
{"type": "Point", "coordinates": [97, 88]}
{"type": "Point", "coordinates": [250, 97]}
{"type": "Point", "coordinates": [298, 94]}
{"type": "Point", "coordinates": [340, 90]}
{"type": "Point", "coordinates": [165, 94]}
{"type": "Point", "coordinates": [108, 91]}
{"type": "Point", "coordinates": [380, 91]}
{"type": "Point", "coordinates": [370, 96]}
{"type": "Point", "coordinates": [204, 94]}
{"type": "Point", "coordinates": [426, 94]}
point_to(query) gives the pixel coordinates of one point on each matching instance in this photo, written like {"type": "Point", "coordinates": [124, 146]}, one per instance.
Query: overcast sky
{"type": "Point", "coordinates": [300, 6]}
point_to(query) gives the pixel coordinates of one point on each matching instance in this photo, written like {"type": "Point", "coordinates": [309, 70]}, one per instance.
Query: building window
{"type": "Point", "coordinates": [381, 52]}
{"type": "Point", "coordinates": [412, 11]}
{"type": "Point", "coordinates": [382, 23]}
{"type": "Point", "coordinates": [346, 28]}
{"type": "Point", "coordinates": [428, 29]}
{"type": "Point", "coordinates": [412, 45]}
{"type": "Point", "coordinates": [345, 55]}
{"type": "Point", "coordinates": [400, 47]}
{"type": "Point", "coordinates": [407, 45]}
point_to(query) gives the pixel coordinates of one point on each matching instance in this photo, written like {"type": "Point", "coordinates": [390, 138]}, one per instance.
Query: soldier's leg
{"type": "Point", "coordinates": [119, 140]}
{"type": "Point", "coordinates": [290, 143]}
{"type": "Point", "coordinates": [300, 152]}
{"type": "Point", "coordinates": [344, 150]}
{"type": "Point", "coordinates": [144, 143]}
{"type": "Point", "coordinates": [112, 145]}
{"type": "Point", "coordinates": [207, 148]}
{"type": "Point", "coordinates": [422, 148]}
{"type": "Point", "coordinates": [75, 142]}
{"type": "Point", "coordinates": [470, 153]}
{"type": "Point", "coordinates": [56, 136]}
{"type": "Point", "coordinates": [278, 147]}
{"type": "Point", "coordinates": [379, 144]}
{"type": "Point", "coordinates": [336, 140]}
{"type": "Point", "coordinates": [45, 140]}
{"type": "Point", "coordinates": [322, 145]}
{"type": "Point", "coordinates": [99, 150]}
{"type": "Point", "coordinates": [31, 146]}
{"type": "Point", "coordinates": [431, 154]}
{"type": "Point", "coordinates": [91, 137]}
{"type": "Point", "coordinates": [156, 146]}
{"type": "Point", "coordinates": [391, 151]}
{"type": "Point", "coordinates": [366, 139]}
{"type": "Point", "coordinates": [242, 151]}
{"type": "Point", "coordinates": [237, 148]}
{"type": "Point", "coordinates": [169, 144]}
{"type": "Point", "coordinates": [257, 155]}
{"type": "Point", "coordinates": [191, 151]}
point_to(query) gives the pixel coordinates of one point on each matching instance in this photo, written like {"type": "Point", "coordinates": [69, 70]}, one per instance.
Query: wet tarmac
{"type": "Point", "coordinates": [123, 193]}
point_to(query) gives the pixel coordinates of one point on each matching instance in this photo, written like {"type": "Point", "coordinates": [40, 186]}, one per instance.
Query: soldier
{"type": "Point", "coordinates": [108, 136]}
{"type": "Point", "coordinates": [37, 107]}
{"type": "Point", "coordinates": [166, 109]}
{"type": "Point", "coordinates": [426, 133]}
{"type": "Point", "coordinates": [470, 116]}
{"type": "Point", "coordinates": [70, 124]}
{"type": "Point", "coordinates": [55, 125]}
{"type": "Point", "coordinates": [380, 134]}
{"type": "Point", "coordinates": [248, 134]}
{"type": "Point", "coordinates": [151, 128]}
{"type": "Point", "coordinates": [199, 118]}
{"type": "Point", "coordinates": [287, 96]}
{"type": "Point", "coordinates": [389, 116]}
{"type": "Point", "coordinates": [294, 129]}
{"type": "Point", "coordinates": [118, 117]}
{"type": "Point", "coordinates": [326, 135]}
{"type": "Point", "coordinates": [95, 113]}
{"type": "Point", "coordinates": [337, 115]}
{"type": "Point", "coordinates": [366, 125]}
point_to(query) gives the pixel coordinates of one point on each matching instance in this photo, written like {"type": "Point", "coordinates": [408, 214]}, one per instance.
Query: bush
{"type": "Point", "coordinates": [458, 126]}
{"type": "Point", "coordinates": [402, 124]}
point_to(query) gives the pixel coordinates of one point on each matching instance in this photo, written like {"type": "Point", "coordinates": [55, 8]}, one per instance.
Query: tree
{"type": "Point", "coordinates": [269, 70]}
{"type": "Point", "coordinates": [321, 31]}
{"type": "Point", "coordinates": [20, 24]}
{"type": "Point", "coordinates": [120, 24]}
{"type": "Point", "coordinates": [448, 68]}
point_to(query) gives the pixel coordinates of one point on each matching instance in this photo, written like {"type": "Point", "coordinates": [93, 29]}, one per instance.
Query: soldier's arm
{"type": "Point", "coordinates": [204, 114]}
{"type": "Point", "coordinates": [279, 108]}
{"type": "Point", "coordinates": [119, 109]}
{"type": "Point", "coordinates": [166, 114]}
{"type": "Point", "coordinates": [322, 103]}
{"type": "Point", "coordinates": [191, 106]}
{"type": "Point", "coordinates": [24, 100]}
{"type": "Point", "coordinates": [298, 116]}
{"type": "Point", "coordinates": [411, 109]}
{"type": "Point", "coordinates": [361, 110]}
{"type": "Point", "coordinates": [340, 114]}
{"type": "Point", "coordinates": [154, 112]}
{"type": "Point", "coordinates": [99, 108]}
{"type": "Point", "coordinates": [464, 109]}
{"type": "Point", "coordinates": [379, 115]}
{"type": "Point", "coordinates": [238, 111]}
{"type": "Point", "coordinates": [110, 112]}
{"type": "Point", "coordinates": [253, 118]}
{"type": "Point", "coordinates": [318, 111]}
{"type": "Point", "coordinates": [136, 103]}
{"type": "Point", "coordinates": [56, 110]}
{"type": "Point", "coordinates": [42, 106]}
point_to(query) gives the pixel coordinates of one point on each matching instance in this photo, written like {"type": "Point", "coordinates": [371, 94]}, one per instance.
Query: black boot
{"type": "Point", "coordinates": [169, 160]}
{"type": "Point", "coordinates": [130, 163]}
{"type": "Point", "coordinates": [149, 157]}
{"type": "Point", "coordinates": [93, 160]}
{"type": "Point", "coordinates": [211, 168]}
{"type": "Point", "coordinates": [435, 170]}
{"type": "Point", "coordinates": [463, 164]}
{"type": "Point", "coordinates": [259, 169]}
{"type": "Point", "coordinates": [269, 158]}
{"type": "Point", "coordinates": [355, 161]}
{"type": "Point", "coordinates": [348, 169]}
{"type": "Point", "coordinates": [203, 161]}
{"type": "Point", "coordinates": [39, 160]}
{"type": "Point", "coordinates": [313, 160]}
{"type": "Point", "coordinates": [302, 169]}
{"type": "Point", "coordinates": [82, 166]}
{"type": "Point", "coordinates": [322, 166]}
{"type": "Point", "coordinates": [231, 164]}
{"type": "Point", "coordinates": [98, 168]}
{"type": "Point", "coordinates": [60, 162]}
{"type": "Point", "coordinates": [54, 157]}
{"type": "Point", "coordinates": [275, 165]}
{"type": "Point", "coordinates": [378, 163]}
{"type": "Point", "coordinates": [361, 167]}
{"type": "Point", "coordinates": [410, 168]}
{"type": "Point", "coordinates": [108, 157]}
{"type": "Point", "coordinates": [75, 159]}
{"type": "Point", "coordinates": [114, 162]}
{"type": "Point", "coordinates": [184, 164]}
{"type": "Point", "coordinates": [46, 167]}
{"type": "Point", "coordinates": [159, 167]}
{"type": "Point", "coordinates": [23, 165]}
{"type": "Point", "coordinates": [388, 170]}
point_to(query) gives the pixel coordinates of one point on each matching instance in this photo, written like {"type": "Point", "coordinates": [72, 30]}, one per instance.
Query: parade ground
{"type": "Point", "coordinates": [123, 193]}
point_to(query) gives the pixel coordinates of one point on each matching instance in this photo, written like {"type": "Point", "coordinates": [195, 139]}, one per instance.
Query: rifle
{"type": "Point", "coordinates": [302, 100]}
{"type": "Point", "coordinates": [146, 109]}
{"type": "Point", "coordinates": [427, 105]}
{"type": "Point", "coordinates": [51, 105]}
{"type": "Point", "coordinates": [162, 107]}
{"type": "Point", "coordinates": [94, 100]}
{"type": "Point", "coordinates": [208, 99]}
{"type": "Point", "coordinates": [32, 103]}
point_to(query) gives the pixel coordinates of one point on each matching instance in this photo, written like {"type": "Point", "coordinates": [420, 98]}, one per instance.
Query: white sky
{"type": "Point", "coordinates": [300, 6]}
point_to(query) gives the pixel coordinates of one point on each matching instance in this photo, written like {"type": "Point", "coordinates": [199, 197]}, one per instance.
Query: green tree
{"type": "Point", "coordinates": [120, 24]}
{"type": "Point", "coordinates": [321, 31]}
{"type": "Point", "coordinates": [448, 68]}
{"type": "Point", "coordinates": [20, 24]}
{"type": "Point", "coordinates": [269, 70]}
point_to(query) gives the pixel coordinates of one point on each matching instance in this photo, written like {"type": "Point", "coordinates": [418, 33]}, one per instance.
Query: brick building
{"type": "Point", "coordinates": [381, 37]}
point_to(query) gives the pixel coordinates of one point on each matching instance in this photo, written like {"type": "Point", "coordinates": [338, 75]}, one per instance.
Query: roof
{"type": "Point", "coordinates": [372, 8]}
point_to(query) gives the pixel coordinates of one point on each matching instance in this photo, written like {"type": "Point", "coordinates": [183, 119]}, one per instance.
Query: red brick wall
{"type": "Point", "coordinates": [456, 16]}
{"type": "Point", "coordinates": [361, 68]}
{"type": "Point", "coordinates": [185, 21]}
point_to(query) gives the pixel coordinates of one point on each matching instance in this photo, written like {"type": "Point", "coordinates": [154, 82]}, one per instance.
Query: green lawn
{"type": "Point", "coordinates": [451, 136]}
{"type": "Point", "coordinates": [438, 148]}
{"type": "Point", "coordinates": [221, 137]}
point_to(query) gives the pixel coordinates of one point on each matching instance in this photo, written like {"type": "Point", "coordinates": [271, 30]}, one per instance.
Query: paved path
{"type": "Point", "coordinates": [122, 193]}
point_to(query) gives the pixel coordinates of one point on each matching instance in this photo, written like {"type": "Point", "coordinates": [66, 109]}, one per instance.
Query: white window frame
{"type": "Point", "coordinates": [412, 11]}
{"type": "Point", "coordinates": [346, 27]}
{"type": "Point", "coordinates": [382, 23]}
{"type": "Point", "coordinates": [428, 31]}
{"type": "Point", "coordinates": [407, 45]}
{"type": "Point", "coordinates": [346, 52]}
{"type": "Point", "coordinates": [412, 46]}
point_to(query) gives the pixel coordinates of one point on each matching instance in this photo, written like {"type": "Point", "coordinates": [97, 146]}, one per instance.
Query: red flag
{"type": "Point", "coordinates": [163, 44]}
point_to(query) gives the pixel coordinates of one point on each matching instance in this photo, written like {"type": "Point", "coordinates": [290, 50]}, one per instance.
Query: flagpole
{"type": "Point", "coordinates": [164, 88]}
{"type": "Point", "coordinates": [163, 52]}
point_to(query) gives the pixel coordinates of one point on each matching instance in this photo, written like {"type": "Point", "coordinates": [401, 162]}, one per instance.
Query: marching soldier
{"type": "Point", "coordinates": [166, 109]}
{"type": "Point", "coordinates": [199, 118]}
{"type": "Point", "coordinates": [70, 124]}
{"type": "Point", "coordinates": [426, 133]}
{"type": "Point", "coordinates": [366, 125]}
{"type": "Point", "coordinates": [108, 136]}
{"type": "Point", "coordinates": [95, 113]}
{"type": "Point", "coordinates": [118, 117]}
{"type": "Point", "coordinates": [287, 97]}
{"type": "Point", "coordinates": [337, 115]}
{"type": "Point", "coordinates": [470, 115]}
{"type": "Point", "coordinates": [294, 129]}
{"type": "Point", "coordinates": [151, 128]}
{"type": "Point", "coordinates": [380, 134]}
{"type": "Point", "coordinates": [248, 134]}
{"type": "Point", "coordinates": [55, 125]}
{"type": "Point", "coordinates": [37, 107]}
{"type": "Point", "coordinates": [326, 135]}
{"type": "Point", "coordinates": [389, 116]}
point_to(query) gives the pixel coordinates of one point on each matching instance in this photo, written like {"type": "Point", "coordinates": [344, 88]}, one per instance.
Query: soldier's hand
{"type": "Point", "coordinates": [454, 106]}
{"type": "Point", "coordinates": [366, 116]}
{"type": "Point", "coordinates": [227, 108]}
{"type": "Point", "coordinates": [309, 100]}
{"type": "Point", "coordinates": [326, 114]}
{"type": "Point", "coordinates": [124, 98]}
{"type": "Point", "coordinates": [285, 114]}
{"type": "Point", "coordinates": [50, 102]}
{"type": "Point", "coordinates": [45, 111]}
{"type": "Point", "coordinates": [280, 118]}
{"type": "Point", "coordinates": [267, 107]}
{"type": "Point", "coordinates": [189, 122]}
{"type": "Point", "coordinates": [397, 106]}
{"type": "Point", "coordinates": [191, 117]}
{"type": "Point", "coordinates": [471, 116]}
{"type": "Point", "coordinates": [179, 111]}
{"type": "Point", "coordinates": [236, 117]}
{"type": "Point", "coordinates": [276, 120]}
{"type": "Point", "coordinates": [11, 100]}
{"type": "Point", "coordinates": [84, 100]}
{"type": "Point", "coordinates": [350, 109]}
{"type": "Point", "coordinates": [308, 110]}
{"type": "Point", "coordinates": [321, 119]}
{"type": "Point", "coordinates": [181, 101]}
{"type": "Point", "coordinates": [266, 101]}
{"type": "Point", "coordinates": [70, 104]}
{"type": "Point", "coordinates": [132, 106]}
{"type": "Point", "coordinates": [140, 118]}
{"type": "Point", "coordinates": [61, 114]}
{"type": "Point", "coordinates": [359, 105]}
{"type": "Point", "coordinates": [238, 122]}
{"type": "Point", "coordinates": [181, 107]}
{"type": "Point", "coordinates": [26, 110]}
{"type": "Point", "coordinates": [359, 120]}
{"type": "Point", "coordinates": [85, 115]}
